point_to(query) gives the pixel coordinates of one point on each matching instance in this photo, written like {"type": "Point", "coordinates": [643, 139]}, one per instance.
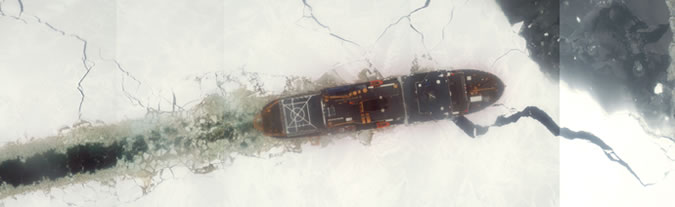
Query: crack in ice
{"type": "Point", "coordinates": [426, 4]}
{"type": "Point", "coordinates": [133, 99]}
{"type": "Point", "coordinates": [20, 7]}
{"type": "Point", "coordinates": [452, 14]}
{"type": "Point", "coordinates": [2, 13]}
{"type": "Point", "coordinates": [420, 33]}
{"type": "Point", "coordinates": [331, 33]}
{"type": "Point", "coordinates": [506, 53]}
{"type": "Point", "coordinates": [87, 64]}
{"type": "Point", "coordinates": [85, 61]}
{"type": "Point", "coordinates": [646, 129]}
{"type": "Point", "coordinates": [650, 132]}
{"type": "Point", "coordinates": [88, 69]}
{"type": "Point", "coordinates": [120, 68]}
{"type": "Point", "coordinates": [474, 130]}
{"type": "Point", "coordinates": [18, 18]}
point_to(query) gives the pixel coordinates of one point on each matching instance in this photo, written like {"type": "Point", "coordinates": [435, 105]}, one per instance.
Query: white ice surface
{"type": "Point", "coordinates": [587, 178]}
{"type": "Point", "coordinates": [165, 46]}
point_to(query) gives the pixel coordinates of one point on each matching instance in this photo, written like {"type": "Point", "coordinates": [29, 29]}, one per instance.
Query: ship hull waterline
{"type": "Point", "coordinates": [381, 103]}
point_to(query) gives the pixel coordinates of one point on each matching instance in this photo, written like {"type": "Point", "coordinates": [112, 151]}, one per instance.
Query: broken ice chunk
{"type": "Point", "coordinates": [658, 89]}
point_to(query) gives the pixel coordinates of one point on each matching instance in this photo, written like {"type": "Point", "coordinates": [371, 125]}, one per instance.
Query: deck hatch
{"type": "Point", "coordinates": [297, 116]}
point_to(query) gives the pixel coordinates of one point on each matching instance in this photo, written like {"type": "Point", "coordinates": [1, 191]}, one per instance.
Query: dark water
{"type": "Point", "coordinates": [538, 17]}
{"type": "Point", "coordinates": [616, 51]}
{"type": "Point", "coordinates": [616, 55]}
{"type": "Point", "coordinates": [84, 158]}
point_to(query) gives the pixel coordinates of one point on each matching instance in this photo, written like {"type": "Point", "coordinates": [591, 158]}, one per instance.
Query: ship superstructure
{"type": "Point", "coordinates": [381, 103]}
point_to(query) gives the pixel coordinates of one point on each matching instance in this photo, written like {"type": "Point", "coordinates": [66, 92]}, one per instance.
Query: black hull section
{"type": "Point", "coordinates": [381, 103]}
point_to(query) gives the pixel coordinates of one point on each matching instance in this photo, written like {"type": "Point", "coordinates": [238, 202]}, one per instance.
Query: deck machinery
{"type": "Point", "coordinates": [380, 103]}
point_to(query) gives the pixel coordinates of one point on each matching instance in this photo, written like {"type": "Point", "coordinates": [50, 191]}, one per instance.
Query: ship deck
{"type": "Point", "coordinates": [364, 105]}
{"type": "Point", "coordinates": [414, 98]}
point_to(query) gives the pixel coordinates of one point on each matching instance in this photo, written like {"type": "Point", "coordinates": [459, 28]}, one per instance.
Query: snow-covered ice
{"type": "Point", "coordinates": [109, 61]}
